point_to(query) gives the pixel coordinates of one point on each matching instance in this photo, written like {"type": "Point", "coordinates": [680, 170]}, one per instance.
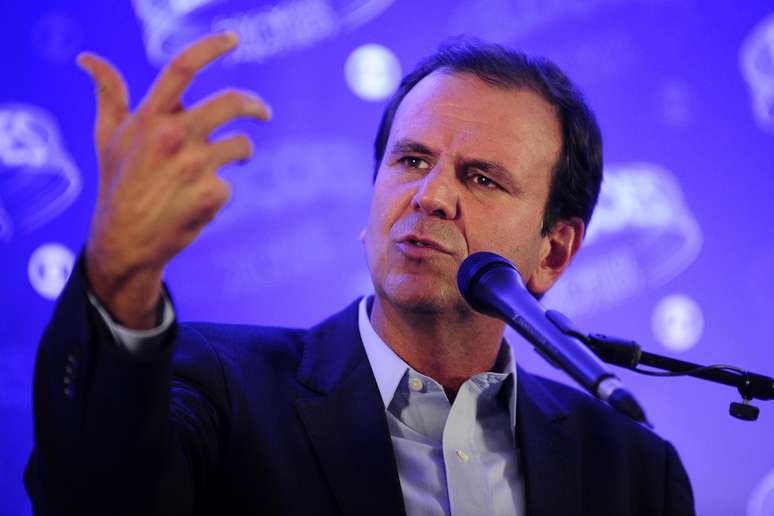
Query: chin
{"type": "Point", "coordinates": [424, 296]}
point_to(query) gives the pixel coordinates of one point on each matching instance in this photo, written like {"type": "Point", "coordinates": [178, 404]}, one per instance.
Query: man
{"type": "Point", "coordinates": [407, 402]}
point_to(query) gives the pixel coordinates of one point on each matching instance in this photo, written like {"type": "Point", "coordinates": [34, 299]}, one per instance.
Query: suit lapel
{"type": "Point", "coordinates": [550, 456]}
{"type": "Point", "coordinates": [343, 415]}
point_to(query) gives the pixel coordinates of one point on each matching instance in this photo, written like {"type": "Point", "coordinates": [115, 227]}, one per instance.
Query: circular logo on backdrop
{"type": "Point", "coordinates": [49, 268]}
{"type": "Point", "coordinates": [372, 72]}
{"type": "Point", "coordinates": [677, 322]}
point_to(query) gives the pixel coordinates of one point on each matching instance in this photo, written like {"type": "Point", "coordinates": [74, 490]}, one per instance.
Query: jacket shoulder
{"type": "Point", "coordinates": [595, 419]}
{"type": "Point", "coordinates": [622, 463]}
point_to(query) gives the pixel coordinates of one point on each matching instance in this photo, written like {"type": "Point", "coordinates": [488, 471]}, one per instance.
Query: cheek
{"type": "Point", "coordinates": [376, 217]}
{"type": "Point", "coordinates": [387, 203]}
{"type": "Point", "coordinates": [520, 242]}
{"type": "Point", "coordinates": [380, 219]}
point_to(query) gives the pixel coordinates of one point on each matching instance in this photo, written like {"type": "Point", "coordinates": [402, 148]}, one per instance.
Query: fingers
{"type": "Point", "coordinates": [228, 150]}
{"type": "Point", "coordinates": [200, 162]}
{"type": "Point", "coordinates": [215, 111]}
{"type": "Point", "coordinates": [209, 197]}
{"type": "Point", "coordinates": [165, 94]}
{"type": "Point", "coordinates": [111, 92]}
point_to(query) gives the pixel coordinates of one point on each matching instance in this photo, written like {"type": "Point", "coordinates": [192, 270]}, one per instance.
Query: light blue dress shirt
{"type": "Point", "coordinates": [455, 458]}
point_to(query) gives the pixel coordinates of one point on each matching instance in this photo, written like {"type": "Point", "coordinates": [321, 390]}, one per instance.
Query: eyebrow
{"type": "Point", "coordinates": [405, 145]}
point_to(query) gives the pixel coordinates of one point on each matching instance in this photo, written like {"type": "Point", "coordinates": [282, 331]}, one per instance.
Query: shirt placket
{"type": "Point", "coordinates": [468, 492]}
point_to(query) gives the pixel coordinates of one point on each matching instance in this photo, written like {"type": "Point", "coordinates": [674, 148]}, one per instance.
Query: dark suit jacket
{"type": "Point", "coordinates": [256, 420]}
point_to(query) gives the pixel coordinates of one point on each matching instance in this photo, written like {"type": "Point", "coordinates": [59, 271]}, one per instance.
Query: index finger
{"type": "Point", "coordinates": [112, 95]}
{"type": "Point", "coordinates": [165, 94]}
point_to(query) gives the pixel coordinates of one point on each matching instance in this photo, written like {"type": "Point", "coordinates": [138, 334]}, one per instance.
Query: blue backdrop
{"type": "Point", "coordinates": [679, 255]}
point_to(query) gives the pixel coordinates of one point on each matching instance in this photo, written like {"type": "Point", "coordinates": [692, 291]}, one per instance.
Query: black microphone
{"type": "Point", "coordinates": [493, 286]}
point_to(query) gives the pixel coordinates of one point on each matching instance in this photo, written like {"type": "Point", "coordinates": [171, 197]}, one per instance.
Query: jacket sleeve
{"type": "Point", "coordinates": [115, 433]}
{"type": "Point", "coordinates": [678, 498]}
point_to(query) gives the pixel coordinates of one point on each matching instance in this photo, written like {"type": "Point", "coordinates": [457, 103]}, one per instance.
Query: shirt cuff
{"type": "Point", "coordinates": [136, 341]}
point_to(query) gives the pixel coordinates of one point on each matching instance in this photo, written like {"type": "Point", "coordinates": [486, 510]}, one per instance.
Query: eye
{"type": "Point", "coordinates": [482, 180]}
{"type": "Point", "coordinates": [414, 162]}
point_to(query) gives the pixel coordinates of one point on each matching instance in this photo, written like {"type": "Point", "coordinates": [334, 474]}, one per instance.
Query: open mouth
{"type": "Point", "coordinates": [423, 246]}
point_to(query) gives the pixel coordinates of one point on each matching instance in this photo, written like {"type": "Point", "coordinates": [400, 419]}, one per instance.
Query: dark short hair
{"type": "Point", "coordinates": [577, 174]}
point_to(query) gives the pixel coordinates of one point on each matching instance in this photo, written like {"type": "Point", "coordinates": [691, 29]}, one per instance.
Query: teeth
{"type": "Point", "coordinates": [419, 244]}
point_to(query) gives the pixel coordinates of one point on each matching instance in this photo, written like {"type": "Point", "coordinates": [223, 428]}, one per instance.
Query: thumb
{"type": "Point", "coordinates": [111, 95]}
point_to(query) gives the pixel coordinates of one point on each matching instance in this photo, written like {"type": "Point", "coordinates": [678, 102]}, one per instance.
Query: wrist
{"type": "Point", "coordinates": [131, 295]}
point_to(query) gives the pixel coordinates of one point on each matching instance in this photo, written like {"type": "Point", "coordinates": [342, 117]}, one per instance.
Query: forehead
{"type": "Point", "coordinates": [459, 111]}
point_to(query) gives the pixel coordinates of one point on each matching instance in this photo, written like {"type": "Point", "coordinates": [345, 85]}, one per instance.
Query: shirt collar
{"type": "Point", "coordinates": [389, 368]}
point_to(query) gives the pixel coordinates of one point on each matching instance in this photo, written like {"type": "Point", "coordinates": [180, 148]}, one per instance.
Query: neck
{"type": "Point", "coordinates": [448, 347]}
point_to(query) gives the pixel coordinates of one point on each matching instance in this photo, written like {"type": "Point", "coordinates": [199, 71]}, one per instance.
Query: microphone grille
{"type": "Point", "coordinates": [473, 267]}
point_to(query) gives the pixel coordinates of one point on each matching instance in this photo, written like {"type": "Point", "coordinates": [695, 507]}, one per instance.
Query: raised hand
{"type": "Point", "coordinates": [157, 168]}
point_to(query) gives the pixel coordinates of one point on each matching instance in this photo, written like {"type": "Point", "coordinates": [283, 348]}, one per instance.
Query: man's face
{"type": "Point", "coordinates": [467, 168]}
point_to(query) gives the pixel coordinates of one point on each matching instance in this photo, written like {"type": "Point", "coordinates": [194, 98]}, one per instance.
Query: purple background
{"type": "Point", "coordinates": [686, 209]}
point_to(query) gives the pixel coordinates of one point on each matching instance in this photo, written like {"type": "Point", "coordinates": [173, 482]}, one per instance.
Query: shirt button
{"type": "Point", "coordinates": [415, 384]}
{"type": "Point", "coordinates": [464, 457]}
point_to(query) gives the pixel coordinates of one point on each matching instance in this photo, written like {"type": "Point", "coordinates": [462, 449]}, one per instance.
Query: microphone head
{"type": "Point", "coordinates": [471, 270]}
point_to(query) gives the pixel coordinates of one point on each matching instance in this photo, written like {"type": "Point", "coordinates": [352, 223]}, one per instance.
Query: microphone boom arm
{"type": "Point", "coordinates": [629, 355]}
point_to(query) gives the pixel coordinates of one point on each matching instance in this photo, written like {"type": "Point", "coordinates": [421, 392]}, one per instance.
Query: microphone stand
{"type": "Point", "coordinates": [628, 354]}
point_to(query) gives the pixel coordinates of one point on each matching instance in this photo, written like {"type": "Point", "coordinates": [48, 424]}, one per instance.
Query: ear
{"type": "Point", "coordinates": [558, 249]}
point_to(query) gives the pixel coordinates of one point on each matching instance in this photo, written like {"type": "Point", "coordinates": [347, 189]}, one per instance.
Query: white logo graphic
{"type": "Point", "coordinates": [756, 58]}
{"type": "Point", "coordinates": [265, 30]}
{"type": "Point", "coordinates": [372, 72]}
{"type": "Point", "coordinates": [49, 268]}
{"type": "Point", "coordinates": [762, 500]}
{"type": "Point", "coordinates": [38, 179]}
{"type": "Point", "coordinates": [641, 236]}
{"type": "Point", "coordinates": [488, 16]}
{"type": "Point", "coordinates": [677, 322]}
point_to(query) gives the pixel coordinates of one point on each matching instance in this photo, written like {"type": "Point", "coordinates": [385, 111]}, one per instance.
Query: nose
{"type": "Point", "coordinates": [437, 194]}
